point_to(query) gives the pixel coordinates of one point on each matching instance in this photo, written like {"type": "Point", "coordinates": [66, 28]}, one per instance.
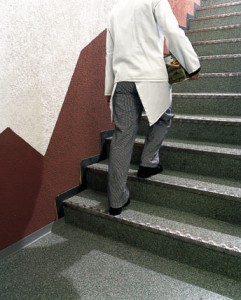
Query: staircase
{"type": "Point", "coordinates": [191, 213]}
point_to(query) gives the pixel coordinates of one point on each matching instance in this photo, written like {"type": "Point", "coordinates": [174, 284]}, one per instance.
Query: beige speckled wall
{"type": "Point", "coordinates": [52, 106]}
{"type": "Point", "coordinates": [41, 42]}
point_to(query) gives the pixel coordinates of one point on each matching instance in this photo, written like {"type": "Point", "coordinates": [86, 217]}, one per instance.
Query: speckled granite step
{"type": "Point", "coordinates": [198, 158]}
{"type": "Point", "coordinates": [224, 130]}
{"type": "Point", "coordinates": [221, 63]}
{"type": "Point", "coordinates": [215, 21]}
{"type": "Point", "coordinates": [70, 263]}
{"type": "Point", "coordinates": [207, 104]}
{"type": "Point", "coordinates": [223, 8]}
{"type": "Point", "coordinates": [211, 83]}
{"type": "Point", "coordinates": [221, 46]}
{"type": "Point", "coordinates": [205, 196]}
{"type": "Point", "coordinates": [214, 33]}
{"type": "Point", "coordinates": [200, 242]}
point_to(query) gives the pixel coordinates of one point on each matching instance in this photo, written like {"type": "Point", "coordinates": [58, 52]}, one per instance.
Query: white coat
{"type": "Point", "coordinates": [135, 42]}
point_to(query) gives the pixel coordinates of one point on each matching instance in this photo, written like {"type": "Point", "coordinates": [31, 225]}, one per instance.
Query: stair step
{"type": "Point", "coordinates": [215, 21]}
{"type": "Point", "coordinates": [205, 196]}
{"type": "Point", "coordinates": [216, 2]}
{"type": "Point", "coordinates": [207, 104]}
{"type": "Point", "coordinates": [211, 83]}
{"type": "Point", "coordinates": [223, 8]}
{"type": "Point", "coordinates": [197, 158]}
{"type": "Point", "coordinates": [221, 63]}
{"type": "Point", "coordinates": [222, 46]}
{"type": "Point", "coordinates": [214, 33]}
{"type": "Point", "coordinates": [224, 130]}
{"type": "Point", "coordinates": [211, 245]}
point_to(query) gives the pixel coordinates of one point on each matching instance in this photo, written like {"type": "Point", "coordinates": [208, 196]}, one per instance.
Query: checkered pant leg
{"type": "Point", "coordinates": [127, 109]}
{"type": "Point", "coordinates": [155, 136]}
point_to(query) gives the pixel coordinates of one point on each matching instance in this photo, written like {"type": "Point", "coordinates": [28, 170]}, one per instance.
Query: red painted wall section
{"type": "Point", "coordinates": [30, 182]}
{"type": "Point", "coordinates": [21, 178]}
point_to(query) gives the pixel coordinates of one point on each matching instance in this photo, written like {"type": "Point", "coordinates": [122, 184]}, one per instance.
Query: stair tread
{"type": "Point", "coordinates": [226, 74]}
{"type": "Point", "coordinates": [223, 56]}
{"type": "Point", "coordinates": [215, 16]}
{"type": "Point", "coordinates": [199, 146]}
{"type": "Point", "coordinates": [207, 232]}
{"type": "Point", "coordinates": [217, 186]}
{"type": "Point", "coordinates": [214, 28]}
{"type": "Point", "coordinates": [207, 147]}
{"type": "Point", "coordinates": [207, 7]}
{"type": "Point", "coordinates": [219, 5]}
{"type": "Point", "coordinates": [206, 95]}
{"type": "Point", "coordinates": [232, 40]}
{"type": "Point", "coordinates": [205, 118]}
{"type": "Point", "coordinates": [221, 119]}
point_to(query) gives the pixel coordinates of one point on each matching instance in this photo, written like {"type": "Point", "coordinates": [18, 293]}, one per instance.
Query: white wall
{"type": "Point", "coordinates": [40, 43]}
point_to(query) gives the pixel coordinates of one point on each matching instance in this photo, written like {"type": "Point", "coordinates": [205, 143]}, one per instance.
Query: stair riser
{"type": "Point", "coordinates": [207, 132]}
{"type": "Point", "coordinates": [178, 198]}
{"type": "Point", "coordinates": [205, 106]}
{"type": "Point", "coordinates": [221, 65]}
{"type": "Point", "coordinates": [215, 22]}
{"type": "Point", "coordinates": [210, 85]}
{"type": "Point", "coordinates": [183, 160]}
{"type": "Point", "coordinates": [218, 48]}
{"type": "Point", "coordinates": [159, 244]}
{"type": "Point", "coordinates": [216, 2]}
{"type": "Point", "coordinates": [218, 11]}
{"type": "Point", "coordinates": [214, 34]}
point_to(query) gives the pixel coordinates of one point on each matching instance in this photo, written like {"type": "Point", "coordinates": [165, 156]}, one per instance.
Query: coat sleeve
{"type": "Point", "coordinates": [109, 76]}
{"type": "Point", "coordinates": [177, 42]}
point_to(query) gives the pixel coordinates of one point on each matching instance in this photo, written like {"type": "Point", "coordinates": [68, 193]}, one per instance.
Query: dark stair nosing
{"type": "Point", "coordinates": [196, 186]}
{"type": "Point", "coordinates": [195, 235]}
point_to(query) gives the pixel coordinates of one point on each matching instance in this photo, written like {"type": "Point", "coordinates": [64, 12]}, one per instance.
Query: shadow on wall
{"type": "Point", "coordinates": [30, 181]}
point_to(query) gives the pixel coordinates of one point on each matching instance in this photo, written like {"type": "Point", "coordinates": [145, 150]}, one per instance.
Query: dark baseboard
{"type": "Point", "coordinates": [83, 166]}
{"type": "Point", "coordinates": [103, 136]}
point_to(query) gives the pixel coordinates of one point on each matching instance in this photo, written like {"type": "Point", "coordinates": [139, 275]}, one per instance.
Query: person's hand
{"type": "Point", "coordinates": [195, 77]}
{"type": "Point", "coordinates": [108, 99]}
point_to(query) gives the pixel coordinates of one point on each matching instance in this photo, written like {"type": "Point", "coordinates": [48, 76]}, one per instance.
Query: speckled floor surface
{"type": "Point", "coordinates": [74, 264]}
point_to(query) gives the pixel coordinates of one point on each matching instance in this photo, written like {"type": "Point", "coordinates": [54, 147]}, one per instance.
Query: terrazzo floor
{"type": "Point", "coordinates": [70, 263]}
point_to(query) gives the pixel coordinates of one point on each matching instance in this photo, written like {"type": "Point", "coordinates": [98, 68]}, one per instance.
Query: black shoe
{"type": "Point", "coordinates": [117, 211]}
{"type": "Point", "coordinates": [145, 172]}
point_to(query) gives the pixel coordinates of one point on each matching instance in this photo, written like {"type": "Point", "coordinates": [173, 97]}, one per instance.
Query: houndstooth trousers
{"type": "Point", "coordinates": [127, 111]}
